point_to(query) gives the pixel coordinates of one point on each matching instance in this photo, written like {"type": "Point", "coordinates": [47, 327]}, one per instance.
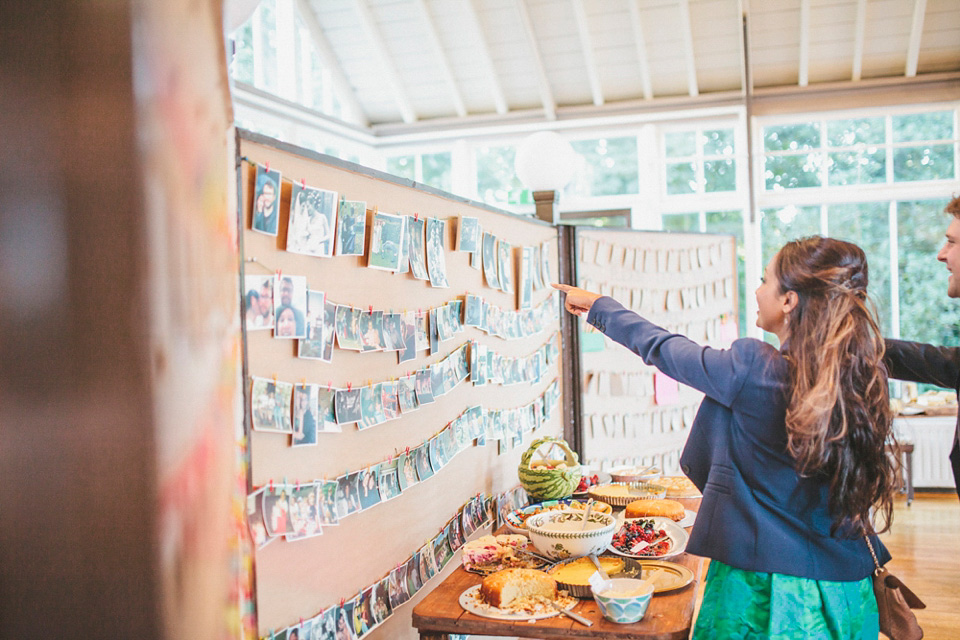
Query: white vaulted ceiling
{"type": "Point", "coordinates": [413, 62]}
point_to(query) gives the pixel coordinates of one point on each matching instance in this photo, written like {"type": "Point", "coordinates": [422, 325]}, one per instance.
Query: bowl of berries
{"type": "Point", "coordinates": [585, 483]}
{"type": "Point", "coordinates": [653, 537]}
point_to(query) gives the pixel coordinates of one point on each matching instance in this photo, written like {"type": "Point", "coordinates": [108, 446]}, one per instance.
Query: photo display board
{"type": "Point", "coordinates": [402, 351]}
{"type": "Point", "coordinates": [685, 282]}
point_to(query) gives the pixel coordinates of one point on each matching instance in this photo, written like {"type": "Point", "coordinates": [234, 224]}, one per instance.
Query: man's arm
{"type": "Point", "coordinates": [919, 362]}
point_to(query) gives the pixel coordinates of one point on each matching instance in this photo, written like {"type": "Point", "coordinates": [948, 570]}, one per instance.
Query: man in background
{"type": "Point", "coordinates": [927, 363]}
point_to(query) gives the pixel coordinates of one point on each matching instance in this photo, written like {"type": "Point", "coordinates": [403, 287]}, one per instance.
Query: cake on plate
{"type": "Point", "coordinates": [507, 587]}
{"type": "Point", "coordinates": [646, 508]}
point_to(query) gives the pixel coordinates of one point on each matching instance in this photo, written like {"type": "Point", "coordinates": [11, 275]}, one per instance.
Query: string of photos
{"type": "Point", "coordinates": [650, 260]}
{"type": "Point", "coordinates": [322, 224]}
{"type": "Point", "coordinates": [304, 410]}
{"type": "Point", "coordinates": [355, 617]}
{"type": "Point", "coordinates": [301, 510]}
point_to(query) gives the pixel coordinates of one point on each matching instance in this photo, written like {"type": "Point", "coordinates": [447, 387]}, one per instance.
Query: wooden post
{"type": "Point", "coordinates": [546, 202]}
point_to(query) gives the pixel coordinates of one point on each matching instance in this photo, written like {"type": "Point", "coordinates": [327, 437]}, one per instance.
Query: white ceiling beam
{"type": "Point", "coordinates": [345, 93]}
{"type": "Point", "coordinates": [641, 43]}
{"type": "Point", "coordinates": [499, 101]}
{"type": "Point", "coordinates": [686, 33]}
{"type": "Point", "coordinates": [369, 24]}
{"type": "Point", "coordinates": [586, 44]}
{"type": "Point", "coordinates": [543, 85]}
{"type": "Point", "coordinates": [916, 33]}
{"type": "Point", "coordinates": [803, 75]}
{"type": "Point", "coordinates": [859, 34]}
{"type": "Point", "coordinates": [442, 58]}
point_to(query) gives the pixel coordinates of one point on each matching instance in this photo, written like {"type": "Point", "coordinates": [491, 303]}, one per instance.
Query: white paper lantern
{"type": "Point", "coordinates": [545, 161]}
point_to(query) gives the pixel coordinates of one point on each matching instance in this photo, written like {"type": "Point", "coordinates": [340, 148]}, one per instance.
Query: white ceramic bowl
{"type": "Point", "coordinates": [561, 534]}
{"type": "Point", "coordinates": [623, 600]}
{"type": "Point", "coordinates": [631, 474]}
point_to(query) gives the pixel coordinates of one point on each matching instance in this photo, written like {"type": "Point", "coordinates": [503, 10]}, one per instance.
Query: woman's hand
{"type": "Point", "coordinates": [577, 301]}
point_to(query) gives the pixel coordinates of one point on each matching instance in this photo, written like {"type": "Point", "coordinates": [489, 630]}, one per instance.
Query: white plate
{"type": "Point", "coordinates": [688, 519]}
{"type": "Point", "coordinates": [678, 537]}
{"type": "Point", "coordinates": [469, 602]}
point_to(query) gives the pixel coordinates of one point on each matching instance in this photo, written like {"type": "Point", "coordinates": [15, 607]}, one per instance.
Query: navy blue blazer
{"type": "Point", "coordinates": [757, 512]}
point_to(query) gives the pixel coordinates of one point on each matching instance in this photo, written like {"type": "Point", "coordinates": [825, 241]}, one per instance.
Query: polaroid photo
{"type": "Point", "coordinates": [368, 487]}
{"type": "Point", "coordinates": [424, 386]}
{"type": "Point", "coordinates": [282, 634]}
{"type": "Point", "coordinates": [421, 336]}
{"type": "Point", "coordinates": [392, 331]}
{"type": "Point", "coordinates": [428, 562]}
{"type": "Point", "coordinates": [449, 449]}
{"type": "Point", "coordinates": [534, 268]}
{"type": "Point", "coordinates": [461, 432]}
{"type": "Point", "coordinates": [327, 503]}
{"type": "Point", "coordinates": [469, 234]}
{"type": "Point", "coordinates": [545, 263]}
{"type": "Point", "coordinates": [474, 311]}
{"type": "Point", "coordinates": [505, 266]}
{"type": "Point", "coordinates": [489, 251]}
{"type": "Point", "coordinates": [385, 236]}
{"type": "Point", "coordinates": [371, 330]}
{"type": "Point", "coordinates": [441, 549]}
{"type": "Point", "coordinates": [347, 406]}
{"type": "Point", "coordinates": [413, 575]}
{"type": "Point", "coordinates": [258, 302]}
{"type": "Point", "coordinates": [351, 228]}
{"type": "Point", "coordinates": [456, 535]}
{"type": "Point", "coordinates": [363, 620]}
{"type": "Point", "coordinates": [304, 518]}
{"type": "Point", "coordinates": [271, 405]}
{"type": "Point", "coordinates": [326, 411]}
{"type": "Point", "coordinates": [312, 346]}
{"type": "Point", "coordinates": [436, 261]}
{"type": "Point", "coordinates": [389, 480]}
{"type": "Point", "coordinates": [256, 520]}
{"type": "Point", "coordinates": [456, 315]}
{"type": "Point", "coordinates": [276, 511]}
{"type": "Point", "coordinates": [325, 625]}
{"type": "Point", "coordinates": [407, 470]}
{"type": "Point", "coordinates": [305, 414]}
{"type": "Point", "coordinates": [408, 337]}
{"type": "Point", "coordinates": [347, 323]}
{"type": "Point", "coordinates": [467, 524]}
{"type": "Point", "coordinates": [290, 313]}
{"type": "Point", "coordinates": [345, 630]}
{"type": "Point", "coordinates": [421, 458]}
{"type": "Point", "coordinates": [370, 407]}
{"type": "Point", "coordinates": [348, 495]}
{"type": "Point", "coordinates": [306, 629]}
{"type": "Point", "coordinates": [434, 330]}
{"type": "Point", "coordinates": [437, 457]}
{"type": "Point", "coordinates": [329, 330]}
{"type": "Point", "coordinates": [438, 378]}
{"type": "Point", "coordinates": [266, 202]}
{"type": "Point", "coordinates": [405, 245]}
{"type": "Point", "coordinates": [381, 600]}
{"type": "Point", "coordinates": [407, 393]}
{"type": "Point", "coordinates": [461, 363]}
{"type": "Point", "coordinates": [525, 290]}
{"type": "Point", "coordinates": [418, 264]}
{"type": "Point", "coordinates": [444, 330]}
{"type": "Point", "coordinates": [389, 401]}
{"type": "Point", "coordinates": [397, 586]}
{"type": "Point", "coordinates": [476, 259]}
{"type": "Point", "coordinates": [313, 221]}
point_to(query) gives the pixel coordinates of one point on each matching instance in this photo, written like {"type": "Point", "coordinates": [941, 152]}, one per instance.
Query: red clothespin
{"type": "Point", "coordinates": [408, 450]}
{"type": "Point", "coordinates": [349, 386]}
{"type": "Point", "coordinates": [298, 489]}
{"type": "Point", "coordinates": [271, 486]}
{"type": "Point", "coordinates": [342, 600]}
{"type": "Point", "coordinates": [267, 167]}
{"type": "Point", "coordinates": [303, 185]}
{"type": "Point", "coordinates": [370, 309]}
{"type": "Point", "coordinates": [416, 217]}
{"type": "Point", "coordinates": [329, 385]}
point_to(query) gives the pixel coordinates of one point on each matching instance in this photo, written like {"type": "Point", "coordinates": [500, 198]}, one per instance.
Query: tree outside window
{"type": "Point", "coordinates": [699, 161]}
{"type": "Point", "coordinates": [497, 181]}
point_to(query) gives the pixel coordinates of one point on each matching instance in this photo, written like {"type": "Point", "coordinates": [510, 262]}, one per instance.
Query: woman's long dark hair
{"type": "Point", "coordinates": [838, 415]}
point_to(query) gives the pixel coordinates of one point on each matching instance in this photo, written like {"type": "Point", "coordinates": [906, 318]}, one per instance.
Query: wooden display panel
{"type": "Point", "coordinates": [685, 282]}
{"type": "Point", "coordinates": [298, 579]}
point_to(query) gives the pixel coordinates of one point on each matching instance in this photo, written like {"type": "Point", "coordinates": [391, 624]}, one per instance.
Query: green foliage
{"type": "Point", "coordinates": [848, 132]}
{"type": "Point", "coordinates": [932, 162]}
{"type": "Point", "coordinates": [792, 137]}
{"type": "Point", "coordinates": [792, 171]}
{"type": "Point", "coordinates": [720, 175]}
{"type": "Point", "coordinates": [926, 313]}
{"type": "Point", "coordinates": [681, 178]}
{"type": "Point", "coordinates": [856, 167]}
{"type": "Point", "coordinates": [497, 181]}
{"type": "Point", "coordinates": [680, 144]}
{"type": "Point", "coordinates": [611, 164]}
{"type": "Point", "coordinates": [403, 166]}
{"type": "Point", "coordinates": [937, 125]}
{"type": "Point", "coordinates": [438, 170]}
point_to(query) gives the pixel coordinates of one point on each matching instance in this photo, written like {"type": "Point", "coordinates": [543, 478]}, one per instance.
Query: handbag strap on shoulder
{"type": "Point", "coordinates": [873, 555]}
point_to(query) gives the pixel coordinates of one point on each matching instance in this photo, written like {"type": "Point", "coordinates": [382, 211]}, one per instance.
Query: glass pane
{"type": "Point", "coordinates": [720, 175]}
{"type": "Point", "coordinates": [681, 178]}
{"type": "Point", "coordinates": [267, 47]}
{"type": "Point", "coordinates": [791, 137]}
{"type": "Point", "coordinates": [856, 167]}
{"type": "Point", "coordinates": [242, 66]}
{"type": "Point", "coordinates": [438, 170]}
{"type": "Point", "coordinates": [934, 162]}
{"type": "Point", "coordinates": [610, 164]}
{"type": "Point", "coordinates": [846, 133]}
{"type": "Point", "coordinates": [497, 180]}
{"type": "Point", "coordinates": [731, 222]}
{"type": "Point", "coordinates": [678, 144]}
{"type": "Point", "coordinates": [718, 142]}
{"type": "Point", "coordinates": [779, 226]}
{"type": "Point", "coordinates": [403, 166]}
{"type": "Point", "coordinates": [867, 225]}
{"type": "Point", "coordinates": [923, 126]}
{"type": "Point", "coordinates": [792, 172]}
{"type": "Point", "coordinates": [681, 222]}
{"type": "Point", "coordinates": [926, 313]}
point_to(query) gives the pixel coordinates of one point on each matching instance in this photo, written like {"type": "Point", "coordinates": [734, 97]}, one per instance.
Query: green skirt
{"type": "Point", "coordinates": [750, 604]}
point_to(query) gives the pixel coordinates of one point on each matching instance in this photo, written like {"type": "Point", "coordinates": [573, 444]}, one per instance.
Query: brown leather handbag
{"type": "Point", "coordinates": [895, 601]}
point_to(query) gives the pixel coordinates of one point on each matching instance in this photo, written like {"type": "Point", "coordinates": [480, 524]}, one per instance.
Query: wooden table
{"type": "Point", "coordinates": [669, 615]}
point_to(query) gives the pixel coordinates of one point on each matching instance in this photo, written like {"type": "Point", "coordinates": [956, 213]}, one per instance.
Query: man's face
{"type": "Point", "coordinates": [268, 197]}
{"type": "Point", "coordinates": [286, 292]}
{"type": "Point", "coordinates": [950, 256]}
{"type": "Point", "coordinates": [266, 300]}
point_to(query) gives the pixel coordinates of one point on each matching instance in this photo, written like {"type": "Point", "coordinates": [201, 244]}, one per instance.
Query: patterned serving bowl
{"type": "Point", "coordinates": [623, 600]}
{"type": "Point", "coordinates": [564, 534]}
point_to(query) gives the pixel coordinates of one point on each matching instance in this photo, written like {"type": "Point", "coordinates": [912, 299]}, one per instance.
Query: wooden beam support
{"type": "Point", "coordinates": [498, 99]}
{"type": "Point", "coordinates": [543, 84]}
{"type": "Point", "coordinates": [392, 76]}
{"type": "Point", "coordinates": [686, 32]}
{"type": "Point", "coordinates": [916, 34]}
{"type": "Point", "coordinates": [442, 59]}
{"type": "Point", "coordinates": [586, 44]}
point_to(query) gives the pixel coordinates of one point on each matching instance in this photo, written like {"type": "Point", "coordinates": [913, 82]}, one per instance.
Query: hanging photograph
{"type": "Point", "coordinates": [258, 302]}
{"type": "Point", "coordinates": [438, 379]}
{"type": "Point", "coordinates": [368, 485]}
{"type": "Point", "coordinates": [418, 264]}
{"type": "Point", "coordinates": [424, 386]}
{"type": "Point", "coordinates": [351, 228]}
{"type": "Point", "coordinates": [304, 415]}
{"type": "Point", "coordinates": [428, 562]}
{"type": "Point", "coordinates": [303, 513]}
{"type": "Point", "coordinates": [313, 221]}
{"type": "Point", "coordinates": [381, 600]}
{"type": "Point", "coordinates": [444, 330]}
{"type": "Point", "coordinates": [348, 328]}
{"type": "Point", "coordinates": [363, 620]}
{"type": "Point", "coordinates": [420, 324]}
{"type": "Point", "coordinates": [414, 580]}
{"type": "Point", "coordinates": [405, 244]}
{"type": "Point", "coordinates": [408, 337]}
{"type": "Point", "coordinates": [266, 201]}
{"type": "Point", "coordinates": [348, 497]}
{"type": "Point", "coordinates": [525, 290]}
{"type": "Point", "coordinates": [385, 235]}
{"type": "Point", "coordinates": [436, 453]}
{"type": "Point", "coordinates": [370, 403]}
{"type": "Point", "coordinates": [469, 234]}
{"type": "Point", "coordinates": [407, 393]}
{"type": "Point", "coordinates": [270, 405]}
{"type": "Point", "coordinates": [456, 315]}
{"type": "Point", "coordinates": [291, 297]}
{"type": "Point", "coordinates": [371, 330]}
{"type": "Point", "coordinates": [312, 346]}
{"type": "Point", "coordinates": [407, 466]}
{"type": "Point", "coordinates": [397, 585]}
{"type": "Point", "coordinates": [489, 250]}
{"type": "Point", "coordinates": [326, 413]}
{"type": "Point", "coordinates": [389, 480]}
{"type": "Point", "coordinates": [327, 503]}
{"type": "Point", "coordinates": [421, 457]}
{"type": "Point", "coordinates": [325, 625]}
{"type": "Point", "coordinates": [392, 331]}
{"type": "Point", "coordinates": [433, 331]}
{"type": "Point", "coordinates": [255, 519]}
{"type": "Point", "coordinates": [534, 268]}
{"type": "Point", "coordinates": [347, 406]}
{"type": "Point", "coordinates": [276, 510]}
{"type": "Point", "coordinates": [441, 549]}
{"type": "Point", "coordinates": [505, 266]}
{"type": "Point", "coordinates": [389, 401]}
{"type": "Point", "coordinates": [436, 261]}
{"type": "Point", "coordinates": [345, 630]}
{"type": "Point", "coordinates": [474, 311]}
{"type": "Point", "coordinates": [329, 330]}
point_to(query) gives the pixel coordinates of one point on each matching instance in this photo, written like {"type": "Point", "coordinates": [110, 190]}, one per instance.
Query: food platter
{"type": "Point", "coordinates": [676, 538]}
{"type": "Point", "coordinates": [688, 519]}
{"type": "Point", "coordinates": [666, 576]}
{"type": "Point", "coordinates": [679, 487]}
{"type": "Point", "coordinates": [471, 601]}
{"type": "Point", "coordinates": [516, 519]}
{"type": "Point", "coordinates": [620, 494]}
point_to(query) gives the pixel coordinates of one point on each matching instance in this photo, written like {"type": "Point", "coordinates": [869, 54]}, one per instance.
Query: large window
{"type": "Point", "coordinates": [607, 167]}
{"type": "Point", "coordinates": [497, 181]}
{"type": "Point", "coordinates": [700, 161]}
{"type": "Point", "coordinates": [434, 169]}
